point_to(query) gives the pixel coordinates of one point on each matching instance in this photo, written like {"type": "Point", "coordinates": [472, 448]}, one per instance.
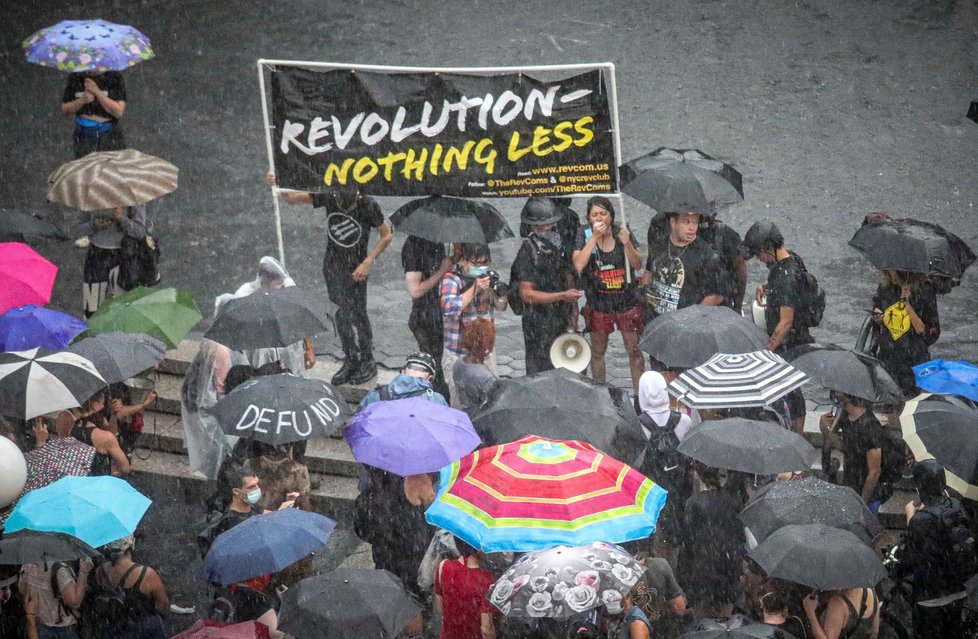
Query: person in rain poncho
{"type": "Point", "coordinates": [203, 386]}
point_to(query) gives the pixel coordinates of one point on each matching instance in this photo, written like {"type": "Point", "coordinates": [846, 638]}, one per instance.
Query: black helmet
{"type": "Point", "coordinates": [763, 235]}
{"type": "Point", "coordinates": [928, 479]}
{"type": "Point", "coordinates": [421, 362]}
{"type": "Point", "coordinates": [540, 210]}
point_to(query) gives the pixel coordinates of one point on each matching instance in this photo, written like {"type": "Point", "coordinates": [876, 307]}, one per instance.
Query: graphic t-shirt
{"type": "Point", "coordinates": [682, 276]}
{"type": "Point", "coordinates": [347, 232]}
{"type": "Point", "coordinates": [605, 281]}
{"type": "Point", "coordinates": [784, 290]}
{"type": "Point", "coordinates": [424, 256]}
{"type": "Point", "coordinates": [724, 240]}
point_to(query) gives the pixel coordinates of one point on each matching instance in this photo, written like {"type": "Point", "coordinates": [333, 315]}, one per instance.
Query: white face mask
{"type": "Point", "coordinates": [252, 497]}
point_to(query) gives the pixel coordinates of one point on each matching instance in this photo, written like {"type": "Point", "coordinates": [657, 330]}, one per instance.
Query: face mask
{"type": "Point", "coordinates": [478, 271]}
{"type": "Point", "coordinates": [253, 496]}
{"type": "Point", "coordinates": [550, 236]}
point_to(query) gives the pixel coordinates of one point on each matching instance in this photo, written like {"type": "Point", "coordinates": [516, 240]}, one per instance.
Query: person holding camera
{"type": "Point", "coordinates": [467, 293]}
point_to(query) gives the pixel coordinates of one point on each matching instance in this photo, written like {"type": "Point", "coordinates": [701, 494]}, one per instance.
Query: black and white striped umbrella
{"type": "Point", "coordinates": [109, 179]}
{"type": "Point", "coordinates": [39, 381]}
{"type": "Point", "coordinates": [737, 381]}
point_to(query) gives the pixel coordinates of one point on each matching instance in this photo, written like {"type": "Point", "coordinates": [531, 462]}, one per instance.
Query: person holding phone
{"type": "Point", "coordinates": [98, 101]}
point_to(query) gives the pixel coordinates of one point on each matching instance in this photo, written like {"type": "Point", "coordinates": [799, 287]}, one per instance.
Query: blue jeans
{"type": "Point", "coordinates": [57, 632]}
{"type": "Point", "coordinates": [874, 506]}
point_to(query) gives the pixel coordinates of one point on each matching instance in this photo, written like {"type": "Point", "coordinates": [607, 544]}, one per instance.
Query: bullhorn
{"type": "Point", "coordinates": [570, 351]}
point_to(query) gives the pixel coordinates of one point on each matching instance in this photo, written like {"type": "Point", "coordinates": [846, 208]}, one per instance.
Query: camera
{"type": "Point", "coordinates": [499, 287]}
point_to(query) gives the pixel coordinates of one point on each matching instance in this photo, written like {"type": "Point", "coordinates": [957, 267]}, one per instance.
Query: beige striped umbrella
{"type": "Point", "coordinates": [109, 179]}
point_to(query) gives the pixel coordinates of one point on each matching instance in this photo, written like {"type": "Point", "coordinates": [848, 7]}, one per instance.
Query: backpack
{"type": "Point", "coordinates": [960, 553]}
{"type": "Point", "coordinates": [385, 393]}
{"type": "Point", "coordinates": [812, 297]}
{"type": "Point", "coordinates": [108, 601]}
{"type": "Point", "coordinates": [515, 301]}
{"type": "Point", "coordinates": [662, 450]}
{"type": "Point", "coordinates": [56, 567]}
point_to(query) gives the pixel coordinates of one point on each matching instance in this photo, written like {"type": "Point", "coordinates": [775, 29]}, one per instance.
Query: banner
{"type": "Point", "coordinates": [427, 133]}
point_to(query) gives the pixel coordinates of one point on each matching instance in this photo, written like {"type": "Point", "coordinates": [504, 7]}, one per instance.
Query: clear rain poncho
{"type": "Point", "coordinates": [271, 274]}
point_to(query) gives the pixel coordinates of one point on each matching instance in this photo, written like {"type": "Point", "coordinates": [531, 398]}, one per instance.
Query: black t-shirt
{"type": "Point", "coordinates": [724, 240]}
{"type": "Point", "coordinates": [605, 284]}
{"type": "Point", "coordinates": [111, 82]}
{"type": "Point", "coordinates": [424, 256]}
{"type": "Point", "coordinates": [545, 266]}
{"type": "Point", "coordinates": [858, 438]}
{"type": "Point", "coordinates": [784, 289]}
{"type": "Point", "coordinates": [682, 276]}
{"type": "Point", "coordinates": [926, 549]}
{"type": "Point", "coordinates": [347, 232]}
{"type": "Point", "coordinates": [899, 343]}
{"type": "Point", "coordinates": [230, 519]}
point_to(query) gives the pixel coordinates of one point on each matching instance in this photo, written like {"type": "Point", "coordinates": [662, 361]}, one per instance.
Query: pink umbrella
{"type": "Point", "coordinates": [25, 276]}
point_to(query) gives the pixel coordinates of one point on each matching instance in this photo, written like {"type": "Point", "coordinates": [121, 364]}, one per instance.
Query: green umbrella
{"type": "Point", "coordinates": [167, 314]}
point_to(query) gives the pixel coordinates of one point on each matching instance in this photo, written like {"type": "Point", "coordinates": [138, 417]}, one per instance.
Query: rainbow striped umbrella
{"type": "Point", "coordinates": [536, 493]}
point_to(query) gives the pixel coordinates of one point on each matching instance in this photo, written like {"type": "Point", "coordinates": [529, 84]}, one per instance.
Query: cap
{"type": "Point", "coordinates": [760, 236]}
{"type": "Point", "coordinates": [540, 210]}
{"type": "Point", "coordinates": [421, 362]}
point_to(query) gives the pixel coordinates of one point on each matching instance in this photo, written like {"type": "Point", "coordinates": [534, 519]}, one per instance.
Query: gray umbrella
{"type": "Point", "coordinates": [809, 501]}
{"type": "Point", "coordinates": [748, 446]}
{"type": "Point", "coordinates": [690, 336]}
{"type": "Point", "coordinates": [820, 557]}
{"type": "Point", "coordinates": [118, 356]}
{"type": "Point", "coordinates": [271, 318]}
{"type": "Point", "coordinates": [451, 219]}
{"type": "Point", "coordinates": [713, 629]}
{"type": "Point", "coordinates": [682, 180]}
{"type": "Point", "coordinates": [16, 226]}
{"type": "Point", "coordinates": [34, 547]}
{"type": "Point", "coordinates": [844, 370]}
{"type": "Point", "coordinates": [560, 582]}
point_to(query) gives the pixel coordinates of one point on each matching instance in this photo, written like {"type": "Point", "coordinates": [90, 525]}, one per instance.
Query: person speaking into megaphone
{"type": "Point", "coordinates": [542, 283]}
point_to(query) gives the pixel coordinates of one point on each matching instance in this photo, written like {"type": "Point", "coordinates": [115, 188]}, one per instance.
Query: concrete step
{"type": "Point", "coordinates": [168, 472]}
{"type": "Point", "coordinates": [891, 514]}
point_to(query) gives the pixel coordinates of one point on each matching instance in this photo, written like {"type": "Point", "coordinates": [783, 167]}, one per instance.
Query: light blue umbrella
{"type": "Point", "coordinates": [97, 510]}
{"type": "Point", "coordinates": [950, 377]}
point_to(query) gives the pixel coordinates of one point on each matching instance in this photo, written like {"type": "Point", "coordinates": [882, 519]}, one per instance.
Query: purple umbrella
{"type": "Point", "coordinates": [26, 327]}
{"type": "Point", "coordinates": [410, 436]}
{"type": "Point", "coordinates": [88, 45]}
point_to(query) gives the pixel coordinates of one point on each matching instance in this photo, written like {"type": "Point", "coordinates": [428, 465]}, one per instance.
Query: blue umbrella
{"type": "Point", "coordinates": [265, 544]}
{"type": "Point", "coordinates": [951, 377]}
{"type": "Point", "coordinates": [97, 510]}
{"type": "Point", "coordinates": [88, 45]}
{"type": "Point", "coordinates": [25, 327]}
{"type": "Point", "coordinates": [410, 436]}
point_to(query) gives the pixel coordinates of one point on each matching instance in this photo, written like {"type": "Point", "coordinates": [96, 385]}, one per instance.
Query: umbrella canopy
{"type": "Point", "coordinates": [25, 276]}
{"type": "Point", "coordinates": [809, 501]}
{"type": "Point", "coordinates": [167, 314]}
{"type": "Point", "coordinates": [118, 356]}
{"type": "Point", "coordinates": [718, 630]}
{"type": "Point", "coordinates": [30, 326]}
{"type": "Point", "coordinates": [110, 179]}
{"type": "Point", "coordinates": [271, 318]}
{"type": "Point", "coordinates": [36, 547]}
{"type": "Point", "coordinates": [451, 219]}
{"type": "Point", "coordinates": [690, 336]}
{"type": "Point", "coordinates": [682, 181]}
{"type": "Point", "coordinates": [561, 404]}
{"type": "Point", "coordinates": [37, 381]}
{"type": "Point", "coordinates": [209, 629]}
{"type": "Point", "coordinates": [566, 580]}
{"type": "Point", "coordinates": [737, 381]}
{"type": "Point", "coordinates": [748, 446]}
{"type": "Point", "coordinates": [347, 603]}
{"type": "Point", "coordinates": [88, 45]}
{"type": "Point", "coordinates": [410, 436]}
{"type": "Point", "coordinates": [844, 370]}
{"type": "Point", "coordinates": [17, 226]}
{"type": "Point", "coordinates": [915, 246]}
{"type": "Point", "coordinates": [281, 409]}
{"type": "Point", "coordinates": [944, 428]}
{"type": "Point", "coordinates": [59, 457]}
{"type": "Point", "coordinates": [97, 510]}
{"type": "Point", "coordinates": [536, 492]}
{"type": "Point", "coordinates": [265, 544]}
{"type": "Point", "coordinates": [953, 377]}
{"type": "Point", "coordinates": [820, 557]}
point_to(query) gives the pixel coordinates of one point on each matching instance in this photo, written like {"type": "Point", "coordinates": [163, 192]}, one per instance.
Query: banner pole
{"type": "Point", "coordinates": [613, 86]}
{"type": "Point", "coordinates": [271, 163]}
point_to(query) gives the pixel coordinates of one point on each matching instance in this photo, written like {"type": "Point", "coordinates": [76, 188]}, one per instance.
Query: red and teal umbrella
{"type": "Point", "coordinates": [536, 493]}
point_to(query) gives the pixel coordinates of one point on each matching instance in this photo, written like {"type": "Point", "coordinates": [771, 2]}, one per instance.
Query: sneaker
{"type": "Point", "coordinates": [365, 371]}
{"type": "Point", "coordinates": [346, 372]}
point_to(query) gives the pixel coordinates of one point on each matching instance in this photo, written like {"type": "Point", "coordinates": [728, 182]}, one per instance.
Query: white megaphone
{"type": "Point", "coordinates": [757, 314]}
{"type": "Point", "coordinates": [570, 351]}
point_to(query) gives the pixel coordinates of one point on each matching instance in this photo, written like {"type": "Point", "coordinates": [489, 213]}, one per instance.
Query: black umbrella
{"type": "Point", "coordinates": [39, 381]}
{"type": "Point", "coordinates": [560, 404]}
{"type": "Point", "coordinates": [17, 226]}
{"type": "Point", "coordinates": [915, 246]}
{"type": "Point", "coordinates": [36, 547]}
{"type": "Point", "coordinates": [347, 603]}
{"type": "Point", "coordinates": [690, 336]}
{"type": "Point", "coordinates": [820, 557]}
{"type": "Point", "coordinates": [118, 356]}
{"type": "Point", "coordinates": [714, 629]}
{"type": "Point", "coordinates": [809, 501]}
{"type": "Point", "coordinates": [971, 587]}
{"type": "Point", "coordinates": [271, 318]}
{"type": "Point", "coordinates": [844, 370]}
{"type": "Point", "coordinates": [748, 446]}
{"type": "Point", "coordinates": [284, 408]}
{"type": "Point", "coordinates": [945, 428]}
{"type": "Point", "coordinates": [451, 219]}
{"type": "Point", "coordinates": [682, 180]}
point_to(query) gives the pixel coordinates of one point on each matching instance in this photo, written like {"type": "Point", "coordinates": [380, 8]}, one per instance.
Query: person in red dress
{"type": "Point", "coordinates": [461, 586]}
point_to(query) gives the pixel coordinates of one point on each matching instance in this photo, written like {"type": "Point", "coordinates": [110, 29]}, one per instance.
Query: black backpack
{"type": "Point", "coordinates": [107, 604]}
{"type": "Point", "coordinates": [662, 450]}
{"type": "Point", "coordinates": [958, 540]}
{"type": "Point", "coordinates": [515, 301]}
{"type": "Point", "coordinates": [812, 297]}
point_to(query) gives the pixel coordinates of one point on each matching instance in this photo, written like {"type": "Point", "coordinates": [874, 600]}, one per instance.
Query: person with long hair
{"type": "Point", "coordinates": [846, 614]}
{"type": "Point", "coordinates": [473, 378]}
{"type": "Point", "coordinates": [87, 425]}
{"type": "Point", "coordinates": [460, 596]}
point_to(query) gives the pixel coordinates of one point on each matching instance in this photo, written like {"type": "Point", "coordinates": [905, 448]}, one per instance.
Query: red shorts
{"type": "Point", "coordinates": [630, 319]}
